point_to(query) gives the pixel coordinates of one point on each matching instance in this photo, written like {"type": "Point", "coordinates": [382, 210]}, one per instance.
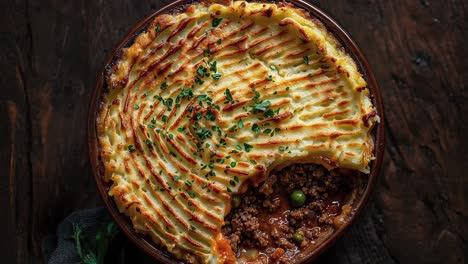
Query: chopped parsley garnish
{"type": "Point", "coordinates": [216, 76]}
{"type": "Point", "coordinates": [202, 71]}
{"type": "Point", "coordinates": [233, 164]}
{"type": "Point", "coordinates": [213, 66]}
{"type": "Point", "coordinates": [191, 194]}
{"type": "Point", "coordinates": [202, 97]}
{"type": "Point", "coordinates": [228, 189]}
{"type": "Point", "coordinates": [198, 115]}
{"type": "Point", "coordinates": [185, 92]}
{"type": "Point", "coordinates": [164, 118]}
{"type": "Point", "coordinates": [136, 107]}
{"type": "Point", "coordinates": [233, 183]}
{"type": "Point", "coordinates": [153, 120]}
{"type": "Point", "coordinates": [176, 178]}
{"type": "Point", "coordinates": [229, 96]}
{"type": "Point", "coordinates": [210, 116]}
{"type": "Point", "coordinates": [203, 133]}
{"type": "Point", "coordinates": [157, 28]}
{"type": "Point", "coordinates": [150, 126]}
{"type": "Point", "coordinates": [240, 124]}
{"type": "Point", "coordinates": [262, 106]}
{"type": "Point", "coordinates": [267, 131]}
{"type": "Point", "coordinates": [248, 147]}
{"type": "Point", "coordinates": [219, 41]}
{"type": "Point", "coordinates": [269, 113]}
{"type": "Point", "coordinates": [131, 148]}
{"type": "Point", "coordinates": [216, 22]}
{"type": "Point", "coordinates": [287, 88]}
{"type": "Point", "coordinates": [207, 51]}
{"type": "Point", "coordinates": [257, 95]}
{"type": "Point", "coordinates": [189, 183]}
{"type": "Point", "coordinates": [168, 102]}
{"type": "Point", "coordinates": [269, 78]}
{"type": "Point", "coordinates": [256, 129]}
{"type": "Point", "coordinates": [306, 59]}
{"type": "Point", "coordinates": [311, 75]}
{"type": "Point", "coordinates": [283, 148]}
{"type": "Point", "coordinates": [198, 81]}
{"type": "Point", "coordinates": [204, 186]}
{"type": "Point", "coordinates": [191, 226]}
{"type": "Point", "coordinates": [273, 67]}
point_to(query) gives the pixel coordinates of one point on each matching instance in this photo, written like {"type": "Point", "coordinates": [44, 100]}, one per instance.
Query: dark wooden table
{"type": "Point", "coordinates": [51, 52]}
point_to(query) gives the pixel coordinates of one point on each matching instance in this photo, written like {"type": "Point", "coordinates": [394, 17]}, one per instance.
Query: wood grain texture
{"type": "Point", "coordinates": [51, 54]}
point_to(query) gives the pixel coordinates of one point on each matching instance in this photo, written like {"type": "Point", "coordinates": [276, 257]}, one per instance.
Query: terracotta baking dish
{"type": "Point", "coordinates": [145, 243]}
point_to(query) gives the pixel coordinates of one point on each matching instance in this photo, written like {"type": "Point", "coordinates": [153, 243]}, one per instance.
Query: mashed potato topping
{"type": "Point", "coordinates": [218, 94]}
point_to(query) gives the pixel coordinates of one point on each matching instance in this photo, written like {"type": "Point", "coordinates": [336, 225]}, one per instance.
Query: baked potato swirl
{"type": "Point", "coordinates": [218, 94]}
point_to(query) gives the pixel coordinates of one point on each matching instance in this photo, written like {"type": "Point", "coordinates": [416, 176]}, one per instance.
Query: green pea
{"type": "Point", "coordinates": [298, 237]}
{"type": "Point", "coordinates": [298, 198]}
{"type": "Point", "coordinates": [235, 201]}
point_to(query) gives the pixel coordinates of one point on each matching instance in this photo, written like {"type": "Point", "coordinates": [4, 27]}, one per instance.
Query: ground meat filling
{"type": "Point", "coordinates": [266, 218]}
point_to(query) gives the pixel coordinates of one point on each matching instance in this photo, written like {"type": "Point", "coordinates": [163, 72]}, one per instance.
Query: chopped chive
{"type": "Point", "coordinates": [269, 78]}
{"type": "Point", "coordinates": [176, 178]}
{"type": "Point", "coordinates": [157, 28]}
{"type": "Point", "coordinates": [189, 183]}
{"type": "Point", "coordinates": [306, 59]}
{"type": "Point", "coordinates": [136, 106]}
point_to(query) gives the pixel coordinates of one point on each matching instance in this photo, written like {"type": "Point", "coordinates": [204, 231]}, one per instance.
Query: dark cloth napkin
{"type": "Point", "coordinates": [360, 244]}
